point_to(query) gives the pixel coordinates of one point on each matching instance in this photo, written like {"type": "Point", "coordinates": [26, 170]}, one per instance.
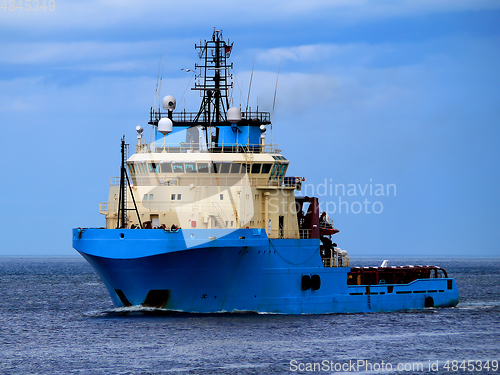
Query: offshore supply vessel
{"type": "Point", "coordinates": [209, 221]}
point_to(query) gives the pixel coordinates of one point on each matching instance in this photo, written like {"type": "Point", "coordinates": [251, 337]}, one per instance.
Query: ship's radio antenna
{"type": "Point", "coordinates": [157, 79]}
{"type": "Point", "coordinates": [159, 88]}
{"type": "Point", "coordinates": [274, 100]}
{"type": "Point", "coordinates": [239, 88]}
{"type": "Point", "coordinates": [276, 87]}
{"type": "Point", "coordinates": [193, 75]}
{"type": "Point", "coordinates": [250, 85]}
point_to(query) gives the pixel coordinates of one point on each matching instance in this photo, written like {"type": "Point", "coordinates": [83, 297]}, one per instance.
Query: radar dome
{"type": "Point", "coordinates": [233, 115]}
{"type": "Point", "coordinates": [165, 126]}
{"type": "Point", "coordinates": [139, 129]}
{"type": "Point", "coordinates": [169, 103]}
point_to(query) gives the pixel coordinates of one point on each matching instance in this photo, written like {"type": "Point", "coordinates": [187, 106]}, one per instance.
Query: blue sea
{"type": "Point", "coordinates": [56, 318]}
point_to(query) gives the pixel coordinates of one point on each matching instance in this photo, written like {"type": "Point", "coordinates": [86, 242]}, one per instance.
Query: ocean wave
{"type": "Point", "coordinates": [155, 311]}
{"type": "Point", "coordinates": [478, 305]}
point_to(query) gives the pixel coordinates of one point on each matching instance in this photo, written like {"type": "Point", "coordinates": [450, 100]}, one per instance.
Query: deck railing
{"type": "Point", "coordinates": [183, 116]}
{"type": "Point", "coordinates": [289, 233]}
{"type": "Point", "coordinates": [336, 261]}
{"type": "Point", "coordinates": [196, 180]}
{"type": "Point", "coordinates": [304, 234]}
{"type": "Point", "coordinates": [183, 147]}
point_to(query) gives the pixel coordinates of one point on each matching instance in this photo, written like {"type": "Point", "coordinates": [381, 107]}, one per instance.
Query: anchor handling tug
{"type": "Point", "coordinates": [209, 221]}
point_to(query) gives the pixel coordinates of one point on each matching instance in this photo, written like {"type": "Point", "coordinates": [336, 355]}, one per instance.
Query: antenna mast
{"type": "Point", "coordinates": [214, 78]}
{"type": "Point", "coordinates": [122, 201]}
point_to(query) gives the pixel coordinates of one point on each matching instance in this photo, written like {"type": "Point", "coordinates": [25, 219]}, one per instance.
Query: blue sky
{"type": "Point", "coordinates": [370, 92]}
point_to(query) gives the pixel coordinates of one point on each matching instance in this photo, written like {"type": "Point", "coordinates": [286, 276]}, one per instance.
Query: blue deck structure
{"type": "Point", "coordinates": [230, 273]}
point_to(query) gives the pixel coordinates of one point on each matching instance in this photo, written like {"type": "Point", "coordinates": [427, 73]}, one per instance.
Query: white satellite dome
{"type": "Point", "coordinates": [169, 103]}
{"type": "Point", "coordinates": [233, 115]}
{"type": "Point", "coordinates": [165, 125]}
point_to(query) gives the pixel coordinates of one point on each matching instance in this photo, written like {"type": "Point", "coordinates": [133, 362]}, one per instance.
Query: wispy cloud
{"type": "Point", "coordinates": [307, 53]}
{"type": "Point", "coordinates": [41, 53]}
{"type": "Point", "coordinates": [110, 14]}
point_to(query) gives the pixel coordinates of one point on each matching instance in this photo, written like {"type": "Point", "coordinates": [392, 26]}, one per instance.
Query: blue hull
{"type": "Point", "coordinates": [208, 271]}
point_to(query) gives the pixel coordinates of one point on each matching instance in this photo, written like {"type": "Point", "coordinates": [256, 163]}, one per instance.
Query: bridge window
{"type": "Point", "coordinates": [138, 168]}
{"type": "Point", "coordinates": [225, 167]}
{"type": "Point", "coordinates": [131, 168]}
{"type": "Point", "coordinates": [208, 167]}
{"type": "Point", "coordinates": [154, 167]}
{"type": "Point", "coordinates": [178, 167]}
{"type": "Point", "coordinates": [276, 169]}
{"type": "Point", "coordinates": [203, 168]}
{"type": "Point", "coordinates": [266, 167]}
{"type": "Point", "coordinates": [283, 169]}
{"type": "Point", "coordinates": [235, 168]}
{"type": "Point", "coordinates": [166, 167]}
{"type": "Point", "coordinates": [190, 167]}
{"type": "Point", "coordinates": [256, 168]}
{"type": "Point", "coordinates": [279, 157]}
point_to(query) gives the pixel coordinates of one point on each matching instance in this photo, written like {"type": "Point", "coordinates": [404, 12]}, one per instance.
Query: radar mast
{"type": "Point", "coordinates": [214, 78]}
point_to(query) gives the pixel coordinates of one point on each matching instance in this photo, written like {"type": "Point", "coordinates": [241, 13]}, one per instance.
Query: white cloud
{"type": "Point", "coordinates": [173, 17]}
{"type": "Point", "coordinates": [307, 53]}
{"type": "Point", "coordinates": [62, 53]}
{"type": "Point", "coordinates": [353, 10]}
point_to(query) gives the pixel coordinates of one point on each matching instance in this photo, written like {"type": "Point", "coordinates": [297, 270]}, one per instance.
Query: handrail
{"type": "Point", "coordinates": [336, 261]}
{"type": "Point", "coordinates": [183, 147]}
{"type": "Point", "coordinates": [212, 208]}
{"type": "Point", "coordinates": [288, 233]}
{"type": "Point", "coordinates": [304, 233]}
{"type": "Point", "coordinates": [210, 179]}
{"type": "Point", "coordinates": [103, 208]}
{"type": "Point", "coordinates": [223, 222]}
{"type": "Point", "coordinates": [155, 116]}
